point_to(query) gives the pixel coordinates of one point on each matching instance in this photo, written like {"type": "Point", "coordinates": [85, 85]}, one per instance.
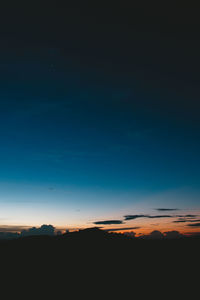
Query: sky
{"type": "Point", "coordinates": [99, 116]}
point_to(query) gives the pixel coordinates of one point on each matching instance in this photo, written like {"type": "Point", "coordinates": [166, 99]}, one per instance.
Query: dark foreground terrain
{"type": "Point", "coordinates": [97, 246]}
{"type": "Point", "coordinates": [94, 258]}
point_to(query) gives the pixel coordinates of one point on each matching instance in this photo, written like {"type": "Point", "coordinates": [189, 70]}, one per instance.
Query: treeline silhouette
{"type": "Point", "coordinates": [95, 240]}
{"type": "Point", "coordinates": [95, 258]}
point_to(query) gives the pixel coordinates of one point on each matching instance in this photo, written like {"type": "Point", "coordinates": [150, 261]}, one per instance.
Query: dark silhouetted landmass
{"type": "Point", "coordinates": [95, 260]}
{"type": "Point", "coordinates": [97, 243]}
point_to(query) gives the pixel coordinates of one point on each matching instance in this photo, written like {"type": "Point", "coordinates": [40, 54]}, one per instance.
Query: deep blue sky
{"type": "Point", "coordinates": [99, 113]}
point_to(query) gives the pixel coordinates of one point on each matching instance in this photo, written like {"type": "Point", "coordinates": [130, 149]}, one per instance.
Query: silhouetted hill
{"type": "Point", "coordinates": [102, 242]}
{"type": "Point", "coordinates": [93, 258]}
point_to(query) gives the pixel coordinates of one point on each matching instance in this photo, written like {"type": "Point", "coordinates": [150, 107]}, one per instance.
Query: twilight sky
{"type": "Point", "coordinates": [99, 116]}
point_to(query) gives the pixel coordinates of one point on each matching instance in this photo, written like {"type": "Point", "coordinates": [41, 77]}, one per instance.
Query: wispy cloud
{"type": "Point", "coordinates": [194, 225]}
{"type": "Point", "coordinates": [122, 228]}
{"type": "Point", "coordinates": [187, 216]}
{"type": "Point", "coordinates": [186, 221]}
{"type": "Point", "coordinates": [160, 216]}
{"type": "Point", "coordinates": [180, 221]}
{"type": "Point", "coordinates": [133, 217]}
{"type": "Point", "coordinates": [108, 222]}
{"type": "Point", "coordinates": [167, 209]}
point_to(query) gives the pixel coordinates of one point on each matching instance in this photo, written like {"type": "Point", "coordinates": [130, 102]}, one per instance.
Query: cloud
{"type": "Point", "coordinates": [173, 234]}
{"type": "Point", "coordinates": [166, 209]}
{"type": "Point", "coordinates": [43, 230]}
{"type": "Point", "coordinates": [108, 222]}
{"type": "Point", "coordinates": [159, 216]}
{"type": "Point", "coordinates": [194, 225]}
{"type": "Point", "coordinates": [130, 234]}
{"type": "Point", "coordinates": [187, 216]}
{"type": "Point", "coordinates": [184, 220]}
{"type": "Point", "coordinates": [51, 188]}
{"type": "Point", "coordinates": [156, 234]}
{"type": "Point", "coordinates": [9, 235]}
{"type": "Point", "coordinates": [12, 228]}
{"type": "Point", "coordinates": [194, 234]}
{"type": "Point", "coordinates": [191, 216]}
{"type": "Point", "coordinates": [180, 221]}
{"type": "Point", "coordinates": [122, 228]}
{"type": "Point", "coordinates": [133, 217]}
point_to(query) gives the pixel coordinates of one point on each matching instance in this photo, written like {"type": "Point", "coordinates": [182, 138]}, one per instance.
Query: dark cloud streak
{"type": "Point", "coordinates": [121, 228]}
{"type": "Point", "coordinates": [108, 222]}
{"type": "Point", "coordinates": [194, 225]}
{"type": "Point", "coordinates": [133, 217]}
{"type": "Point", "coordinates": [166, 209]}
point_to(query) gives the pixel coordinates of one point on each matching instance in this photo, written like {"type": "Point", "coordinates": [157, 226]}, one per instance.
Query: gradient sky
{"type": "Point", "coordinates": [99, 115]}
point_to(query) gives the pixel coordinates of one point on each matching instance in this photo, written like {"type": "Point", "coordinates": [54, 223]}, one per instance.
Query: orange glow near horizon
{"type": "Point", "coordinates": [184, 229]}
{"type": "Point", "coordinates": [140, 226]}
